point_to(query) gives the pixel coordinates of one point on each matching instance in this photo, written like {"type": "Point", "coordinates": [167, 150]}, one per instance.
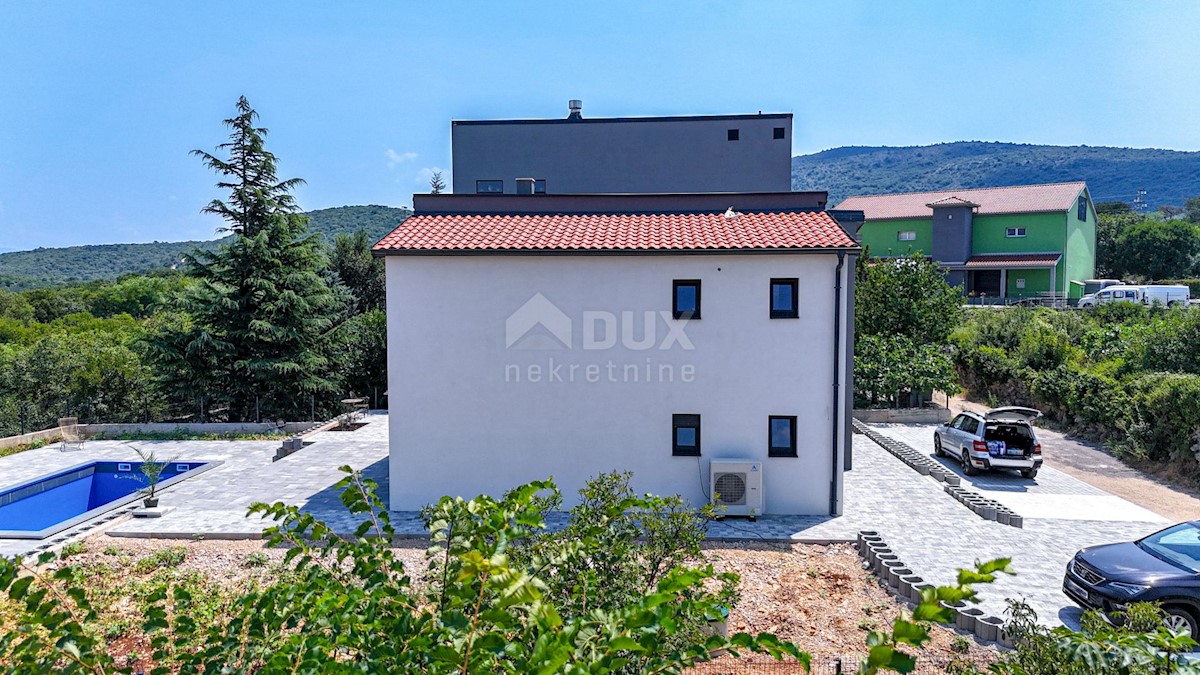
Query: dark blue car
{"type": "Point", "coordinates": [1163, 567]}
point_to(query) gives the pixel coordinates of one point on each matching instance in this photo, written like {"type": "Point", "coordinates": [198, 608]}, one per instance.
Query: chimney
{"type": "Point", "coordinates": [576, 108]}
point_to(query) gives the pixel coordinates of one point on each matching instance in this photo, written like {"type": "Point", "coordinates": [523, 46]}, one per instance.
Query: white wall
{"type": "Point", "coordinates": [458, 427]}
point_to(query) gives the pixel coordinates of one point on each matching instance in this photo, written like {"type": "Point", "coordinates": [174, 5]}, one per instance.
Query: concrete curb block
{"type": "Point", "coordinates": [988, 509]}
{"type": "Point", "coordinates": [899, 579]}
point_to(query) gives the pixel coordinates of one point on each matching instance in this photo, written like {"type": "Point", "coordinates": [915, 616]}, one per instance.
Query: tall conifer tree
{"type": "Point", "coordinates": [260, 326]}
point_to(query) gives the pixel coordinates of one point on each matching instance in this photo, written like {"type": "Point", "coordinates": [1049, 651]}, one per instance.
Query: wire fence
{"type": "Point", "coordinates": [840, 665]}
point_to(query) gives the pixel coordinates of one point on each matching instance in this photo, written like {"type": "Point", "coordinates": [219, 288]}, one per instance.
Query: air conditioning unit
{"type": "Point", "coordinates": [737, 487]}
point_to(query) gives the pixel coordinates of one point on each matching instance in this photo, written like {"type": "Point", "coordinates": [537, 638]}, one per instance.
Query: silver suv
{"type": "Point", "coordinates": [1001, 438]}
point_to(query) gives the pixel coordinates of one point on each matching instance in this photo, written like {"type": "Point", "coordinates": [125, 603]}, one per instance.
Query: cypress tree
{"type": "Point", "coordinates": [261, 323]}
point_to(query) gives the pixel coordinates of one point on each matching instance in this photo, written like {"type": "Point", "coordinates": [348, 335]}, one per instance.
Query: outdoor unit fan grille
{"type": "Point", "coordinates": [730, 488]}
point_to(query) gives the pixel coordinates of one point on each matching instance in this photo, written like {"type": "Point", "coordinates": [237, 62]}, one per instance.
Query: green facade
{"type": "Point", "coordinates": [1057, 232]}
{"type": "Point", "coordinates": [883, 237]}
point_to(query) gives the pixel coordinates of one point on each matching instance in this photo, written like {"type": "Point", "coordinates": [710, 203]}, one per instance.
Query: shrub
{"type": "Point", "coordinates": [347, 604]}
{"type": "Point", "coordinates": [1082, 400]}
{"type": "Point", "coordinates": [162, 558]}
{"type": "Point", "coordinates": [1169, 341]}
{"type": "Point", "coordinates": [256, 559]}
{"type": "Point", "coordinates": [1042, 345]}
{"type": "Point", "coordinates": [1167, 416]}
{"type": "Point", "coordinates": [1141, 646]}
{"type": "Point", "coordinates": [71, 548]}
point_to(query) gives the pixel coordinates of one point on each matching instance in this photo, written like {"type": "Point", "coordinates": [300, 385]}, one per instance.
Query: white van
{"type": "Point", "coordinates": [1166, 295]}
{"type": "Point", "coordinates": [1112, 294]}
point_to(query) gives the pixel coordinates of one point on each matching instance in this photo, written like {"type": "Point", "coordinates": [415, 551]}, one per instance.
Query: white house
{"type": "Point", "coordinates": [567, 335]}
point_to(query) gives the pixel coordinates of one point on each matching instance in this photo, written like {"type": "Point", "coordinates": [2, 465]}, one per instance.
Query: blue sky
{"type": "Point", "coordinates": [100, 102]}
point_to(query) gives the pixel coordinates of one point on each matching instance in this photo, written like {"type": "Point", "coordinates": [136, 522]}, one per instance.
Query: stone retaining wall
{"type": "Point", "coordinates": [902, 415]}
{"type": "Point", "coordinates": [218, 428]}
{"type": "Point", "coordinates": [25, 439]}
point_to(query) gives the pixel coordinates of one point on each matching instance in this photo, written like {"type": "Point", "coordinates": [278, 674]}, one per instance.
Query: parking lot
{"type": "Point", "coordinates": [1062, 514]}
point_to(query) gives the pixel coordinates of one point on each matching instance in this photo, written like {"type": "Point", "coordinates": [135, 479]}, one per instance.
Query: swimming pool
{"type": "Point", "coordinates": [43, 506]}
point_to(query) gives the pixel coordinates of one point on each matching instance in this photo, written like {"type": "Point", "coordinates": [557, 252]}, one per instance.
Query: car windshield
{"type": "Point", "coordinates": [1179, 545]}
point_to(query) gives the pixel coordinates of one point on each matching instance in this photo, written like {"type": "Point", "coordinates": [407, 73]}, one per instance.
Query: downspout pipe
{"type": "Point", "coordinates": [834, 472]}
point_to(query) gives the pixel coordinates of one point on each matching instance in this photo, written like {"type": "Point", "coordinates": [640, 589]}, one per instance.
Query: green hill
{"type": "Point", "coordinates": [48, 266]}
{"type": "Point", "coordinates": [1112, 174]}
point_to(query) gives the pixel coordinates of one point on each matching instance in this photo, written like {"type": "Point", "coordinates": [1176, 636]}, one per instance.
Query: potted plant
{"type": "Point", "coordinates": [152, 469]}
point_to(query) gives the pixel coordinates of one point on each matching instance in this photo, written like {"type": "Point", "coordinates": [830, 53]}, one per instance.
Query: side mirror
{"type": "Point", "coordinates": [946, 424]}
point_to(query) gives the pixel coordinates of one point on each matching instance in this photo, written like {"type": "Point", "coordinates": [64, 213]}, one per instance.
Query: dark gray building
{"type": "Point", "coordinates": [577, 155]}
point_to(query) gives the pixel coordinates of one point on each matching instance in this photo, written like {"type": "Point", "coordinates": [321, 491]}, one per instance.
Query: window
{"type": "Point", "coordinates": [733, 134]}
{"type": "Point", "coordinates": [779, 133]}
{"type": "Point", "coordinates": [1014, 232]}
{"type": "Point", "coordinates": [539, 186]}
{"type": "Point", "coordinates": [906, 235]}
{"type": "Point", "coordinates": [1082, 208]}
{"type": "Point", "coordinates": [685, 435]}
{"type": "Point", "coordinates": [686, 301]}
{"type": "Point", "coordinates": [782, 436]}
{"type": "Point", "coordinates": [970, 425]}
{"type": "Point", "coordinates": [784, 299]}
{"type": "Point", "coordinates": [489, 187]}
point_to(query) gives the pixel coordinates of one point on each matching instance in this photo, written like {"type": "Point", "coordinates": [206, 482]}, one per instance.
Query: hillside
{"type": "Point", "coordinates": [1112, 174]}
{"type": "Point", "coordinates": [46, 266]}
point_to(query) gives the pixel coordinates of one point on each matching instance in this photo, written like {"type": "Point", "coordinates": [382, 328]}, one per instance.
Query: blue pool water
{"type": "Point", "coordinates": [65, 496]}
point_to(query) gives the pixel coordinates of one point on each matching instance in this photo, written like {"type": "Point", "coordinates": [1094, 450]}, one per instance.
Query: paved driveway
{"type": "Point", "coordinates": [1062, 515]}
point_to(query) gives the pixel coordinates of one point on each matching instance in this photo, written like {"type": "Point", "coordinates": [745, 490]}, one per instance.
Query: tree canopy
{"type": "Point", "coordinates": [259, 324]}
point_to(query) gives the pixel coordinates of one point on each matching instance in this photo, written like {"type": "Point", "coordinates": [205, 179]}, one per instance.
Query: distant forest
{"type": "Point", "coordinates": [49, 266]}
{"type": "Point", "coordinates": [1112, 174]}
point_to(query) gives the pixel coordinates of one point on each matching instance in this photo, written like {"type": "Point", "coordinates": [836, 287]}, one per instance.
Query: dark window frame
{"type": "Point", "coordinates": [480, 182]}
{"type": "Point", "coordinates": [675, 312]}
{"type": "Point", "coordinates": [794, 311]}
{"type": "Point", "coordinates": [779, 133]}
{"type": "Point", "coordinates": [684, 421]}
{"type": "Point", "coordinates": [1083, 209]}
{"type": "Point", "coordinates": [733, 134]}
{"type": "Point", "coordinates": [778, 450]}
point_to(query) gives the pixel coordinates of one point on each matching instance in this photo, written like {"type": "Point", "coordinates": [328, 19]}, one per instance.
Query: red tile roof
{"type": "Point", "coordinates": [1015, 199]}
{"type": "Point", "coordinates": [481, 233]}
{"type": "Point", "coordinates": [996, 260]}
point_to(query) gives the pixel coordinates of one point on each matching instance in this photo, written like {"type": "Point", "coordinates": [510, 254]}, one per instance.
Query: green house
{"type": "Point", "coordinates": [1006, 243]}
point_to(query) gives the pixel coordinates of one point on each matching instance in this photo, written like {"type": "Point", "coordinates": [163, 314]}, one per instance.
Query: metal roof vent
{"type": "Point", "coordinates": [576, 108]}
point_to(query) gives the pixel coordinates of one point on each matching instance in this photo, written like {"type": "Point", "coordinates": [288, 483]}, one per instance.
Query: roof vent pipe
{"type": "Point", "coordinates": [576, 108]}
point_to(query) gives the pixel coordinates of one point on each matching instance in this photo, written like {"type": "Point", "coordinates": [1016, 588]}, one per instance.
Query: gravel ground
{"type": "Point", "coordinates": [1090, 463]}
{"type": "Point", "coordinates": [816, 596]}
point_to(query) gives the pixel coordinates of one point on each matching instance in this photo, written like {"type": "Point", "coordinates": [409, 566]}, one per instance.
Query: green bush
{"type": "Point", "coordinates": [1168, 341]}
{"type": "Point", "coordinates": [1167, 416]}
{"type": "Point", "coordinates": [1140, 645]}
{"type": "Point", "coordinates": [502, 596]}
{"type": "Point", "coordinates": [1082, 400]}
